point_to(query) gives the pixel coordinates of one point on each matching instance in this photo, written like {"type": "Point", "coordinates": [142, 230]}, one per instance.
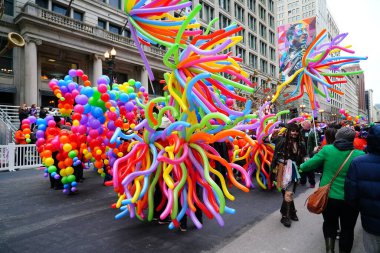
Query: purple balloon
{"type": "Point", "coordinates": [73, 72]}
{"type": "Point", "coordinates": [102, 80]}
{"type": "Point", "coordinates": [40, 134]}
{"type": "Point", "coordinates": [129, 106]}
{"type": "Point", "coordinates": [81, 99]}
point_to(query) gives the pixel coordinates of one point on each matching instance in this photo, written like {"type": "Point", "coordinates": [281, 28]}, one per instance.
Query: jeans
{"type": "Point", "coordinates": [371, 242]}
{"type": "Point", "coordinates": [339, 210]}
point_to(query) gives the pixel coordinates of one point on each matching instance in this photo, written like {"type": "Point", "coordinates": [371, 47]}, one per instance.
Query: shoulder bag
{"type": "Point", "coordinates": [317, 201]}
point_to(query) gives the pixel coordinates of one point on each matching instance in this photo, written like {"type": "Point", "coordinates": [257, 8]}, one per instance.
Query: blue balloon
{"type": "Point", "coordinates": [87, 109]}
{"type": "Point", "coordinates": [124, 97]}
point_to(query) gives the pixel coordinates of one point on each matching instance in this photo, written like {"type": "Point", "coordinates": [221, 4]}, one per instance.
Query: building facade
{"type": "Point", "coordinates": [360, 81]}
{"type": "Point", "coordinates": [376, 113]}
{"type": "Point", "coordinates": [293, 11]}
{"type": "Point", "coordinates": [369, 104]}
{"type": "Point", "coordinates": [62, 34]}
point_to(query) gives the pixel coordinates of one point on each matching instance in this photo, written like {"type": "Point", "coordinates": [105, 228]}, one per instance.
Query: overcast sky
{"type": "Point", "coordinates": [361, 19]}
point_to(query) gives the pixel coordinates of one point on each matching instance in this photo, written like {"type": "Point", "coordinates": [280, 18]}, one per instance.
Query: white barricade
{"type": "Point", "coordinates": [23, 156]}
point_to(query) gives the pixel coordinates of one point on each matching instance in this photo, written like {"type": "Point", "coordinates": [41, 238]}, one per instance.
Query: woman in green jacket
{"type": "Point", "coordinates": [331, 157]}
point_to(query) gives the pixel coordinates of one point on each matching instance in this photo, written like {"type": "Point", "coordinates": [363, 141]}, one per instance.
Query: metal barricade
{"type": "Point", "coordinates": [24, 156]}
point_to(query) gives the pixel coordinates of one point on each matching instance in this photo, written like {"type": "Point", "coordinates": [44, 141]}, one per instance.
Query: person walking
{"type": "Point", "coordinates": [331, 157]}
{"type": "Point", "coordinates": [362, 189]}
{"type": "Point", "coordinates": [23, 113]}
{"type": "Point", "coordinates": [309, 137]}
{"type": "Point", "coordinates": [289, 153]}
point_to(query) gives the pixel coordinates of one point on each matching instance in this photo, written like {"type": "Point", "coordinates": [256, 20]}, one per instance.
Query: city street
{"type": "Point", "coordinates": [34, 218]}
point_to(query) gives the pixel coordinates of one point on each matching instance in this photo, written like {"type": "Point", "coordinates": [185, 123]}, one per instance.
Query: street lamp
{"type": "Point", "coordinates": [302, 107]}
{"type": "Point", "coordinates": [110, 61]}
{"type": "Point", "coordinates": [321, 111]}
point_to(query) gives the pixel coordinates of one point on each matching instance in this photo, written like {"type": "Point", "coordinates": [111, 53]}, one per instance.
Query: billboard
{"type": "Point", "coordinates": [293, 40]}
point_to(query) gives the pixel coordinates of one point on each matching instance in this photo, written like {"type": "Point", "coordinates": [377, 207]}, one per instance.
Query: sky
{"type": "Point", "coordinates": [361, 19]}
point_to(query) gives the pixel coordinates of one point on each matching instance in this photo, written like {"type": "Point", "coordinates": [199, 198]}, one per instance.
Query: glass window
{"type": "Point", "coordinates": [263, 65]}
{"type": "Point", "coordinates": [207, 12]}
{"type": "Point", "coordinates": [252, 5]}
{"type": "Point", "coordinates": [253, 60]}
{"type": "Point", "coordinates": [102, 24]}
{"type": "Point", "coordinates": [262, 30]}
{"type": "Point", "coordinates": [242, 33]}
{"type": "Point", "coordinates": [224, 4]}
{"type": "Point", "coordinates": [115, 3]}
{"type": "Point", "coordinates": [263, 48]}
{"type": "Point", "coordinates": [59, 9]}
{"type": "Point", "coordinates": [9, 6]}
{"type": "Point", "coordinates": [115, 29]}
{"type": "Point", "coordinates": [6, 60]}
{"type": "Point", "coordinates": [271, 21]}
{"type": "Point", "coordinates": [239, 12]}
{"type": "Point", "coordinates": [223, 21]}
{"type": "Point", "coordinates": [271, 37]}
{"type": "Point", "coordinates": [127, 33]}
{"type": "Point", "coordinates": [78, 15]}
{"type": "Point", "coordinates": [252, 41]}
{"type": "Point", "coordinates": [241, 53]}
{"type": "Point", "coordinates": [262, 12]}
{"type": "Point", "coordinates": [272, 54]}
{"type": "Point", "coordinates": [43, 3]}
{"type": "Point", "coordinates": [251, 22]}
{"type": "Point", "coordinates": [57, 69]}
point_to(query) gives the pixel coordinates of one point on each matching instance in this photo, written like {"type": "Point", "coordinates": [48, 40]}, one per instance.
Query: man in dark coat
{"type": "Point", "coordinates": [362, 188]}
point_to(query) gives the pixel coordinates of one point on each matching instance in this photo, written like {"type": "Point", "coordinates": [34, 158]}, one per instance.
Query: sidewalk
{"type": "Point", "coordinates": [270, 236]}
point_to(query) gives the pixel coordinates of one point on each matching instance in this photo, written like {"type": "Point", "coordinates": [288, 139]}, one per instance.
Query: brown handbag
{"type": "Point", "coordinates": [317, 201]}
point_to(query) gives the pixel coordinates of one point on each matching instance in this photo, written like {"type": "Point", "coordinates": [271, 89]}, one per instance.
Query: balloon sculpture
{"type": "Point", "coordinates": [318, 66]}
{"type": "Point", "coordinates": [144, 154]}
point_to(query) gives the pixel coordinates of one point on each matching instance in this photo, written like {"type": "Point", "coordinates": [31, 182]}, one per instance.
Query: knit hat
{"type": "Point", "coordinates": [345, 133]}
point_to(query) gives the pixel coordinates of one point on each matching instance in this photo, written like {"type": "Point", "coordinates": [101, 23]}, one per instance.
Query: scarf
{"type": "Point", "coordinates": [343, 144]}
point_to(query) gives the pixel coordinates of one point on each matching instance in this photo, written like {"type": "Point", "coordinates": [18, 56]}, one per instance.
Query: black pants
{"type": "Point", "coordinates": [307, 176]}
{"type": "Point", "coordinates": [339, 210]}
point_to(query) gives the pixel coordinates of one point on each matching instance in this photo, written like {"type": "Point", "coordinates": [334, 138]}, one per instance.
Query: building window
{"type": "Point", "coordinates": [251, 22]}
{"type": "Point", "coordinates": [239, 12]}
{"type": "Point", "coordinates": [263, 2]}
{"type": "Point", "coordinates": [252, 41]}
{"type": "Point", "coordinates": [241, 52]}
{"type": "Point", "coordinates": [263, 48]}
{"type": "Point", "coordinates": [272, 70]}
{"type": "Point", "coordinates": [242, 34]}
{"type": "Point", "coordinates": [9, 6]}
{"type": "Point", "coordinates": [272, 38]}
{"type": "Point", "coordinates": [6, 60]}
{"type": "Point", "coordinates": [57, 8]}
{"type": "Point", "coordinates": [207, 12]}
{"type": "Point", "coordinates": [115, 3]}
{"type": "Point", "coordinates": [262, 30]}
{"type": "Point", "coordinates": [57, 69]}
{"type": "Point", "coordinates": [223, 21]}
{"type": "Point", "coordinates": [263, 65]}
{"type": "Point", "coordinates": [127, 33]}
{"type": "Point", "coordinates": [252, 5]}
{"type": "Point", "coordinates": [272, 54]}
{"type": "Point", "coordinates": [253, 60]}
{"type": "Point", "coordinates": [271, 21]}
{"type": "Point", "coordinates": [262, 12]}
{"type": "Point", "coordinates": [114, 29]}
{"type": "Point", "coordinates": [102, 24]}
{"type": "Point", "coordinates": [271, 6]}
{"type": "Point", "coordinates": [224, 4]}
{"type": "Point", "coordinates": [43, 3]}
{"type": "Point", "coordinates": [78, 15]}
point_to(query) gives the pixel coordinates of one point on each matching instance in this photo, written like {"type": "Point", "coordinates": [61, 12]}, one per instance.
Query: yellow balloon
{"type": "Point", "coordinates": [62, 172]}
{"type": "Point", "coordinates": [69, 170]}
{"type": "Point", "coordinates": [67, 147]}
{"type": "Point", "coordinates": [49, 161]}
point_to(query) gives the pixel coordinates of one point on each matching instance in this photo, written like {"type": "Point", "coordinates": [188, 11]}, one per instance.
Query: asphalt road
{"type": "Point", "coordinates": [34, 218]}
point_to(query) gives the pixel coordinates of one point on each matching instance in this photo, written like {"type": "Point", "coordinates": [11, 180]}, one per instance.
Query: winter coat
{"type": "Point", "coordinates": [331, 159]}
{"type": "Point", "coordinates": [363, 185]}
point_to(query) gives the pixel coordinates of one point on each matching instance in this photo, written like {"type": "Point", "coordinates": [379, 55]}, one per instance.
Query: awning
{"type": "Point", "coordinates": [46, 93]}
{"type": "Point", "coordinates": [8, 89]}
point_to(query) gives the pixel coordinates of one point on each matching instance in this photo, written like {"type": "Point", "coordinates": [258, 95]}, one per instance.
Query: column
{"type": "Point", "coordinates": [144, 79]}
{"type": "Point", "coordinates": [97, 69]}
{"type": "Point", "coordinates": [31, 78]}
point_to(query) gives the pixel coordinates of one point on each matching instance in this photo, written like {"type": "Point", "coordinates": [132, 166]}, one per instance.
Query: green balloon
{"type": "Point", "coordinates": [72, 154]}
{"type": "Point", "coordinates": [96, 94]}
{"type": "Point", "coordinates": [92, 101]}
{"type": "Point", "coordinates": [71, 178]}
{"type": "Point", "coordinates": [130, 90]}
{"type": "Point", "coordinates": [131, 82]}
{"type": "Point", "coordinates": [64, 180]}
{"type": "Point", "coordinates": [52, 169]}
{"type": "Point", "coordinates": [103, 175]}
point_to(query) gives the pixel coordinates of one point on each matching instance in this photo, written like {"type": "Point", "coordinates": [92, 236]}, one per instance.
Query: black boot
{"type": "Point", "coordinates": [293, 212]}
{"type": "Point", "coordinates": [330, 245]}
{"type": "Point", "coordinates": [285, 220]}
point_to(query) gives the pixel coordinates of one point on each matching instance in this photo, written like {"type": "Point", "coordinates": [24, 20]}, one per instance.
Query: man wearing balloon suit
{"type": "Point", "coordinates": [289, 153]}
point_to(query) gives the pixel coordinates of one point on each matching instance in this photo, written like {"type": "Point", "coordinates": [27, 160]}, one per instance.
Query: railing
{"type": "Point", "coordinates": [9, 114]}
{"type": "Point", "coordinates": [23, 156]}
{"type": "Point", "coordinates": [46, 15]}
{"type": "Point", "coordinates": [6, 133]}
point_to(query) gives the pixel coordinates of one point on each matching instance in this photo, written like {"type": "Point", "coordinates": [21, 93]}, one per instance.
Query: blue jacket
{"type": "Point", "coordinates": [362, 187]}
